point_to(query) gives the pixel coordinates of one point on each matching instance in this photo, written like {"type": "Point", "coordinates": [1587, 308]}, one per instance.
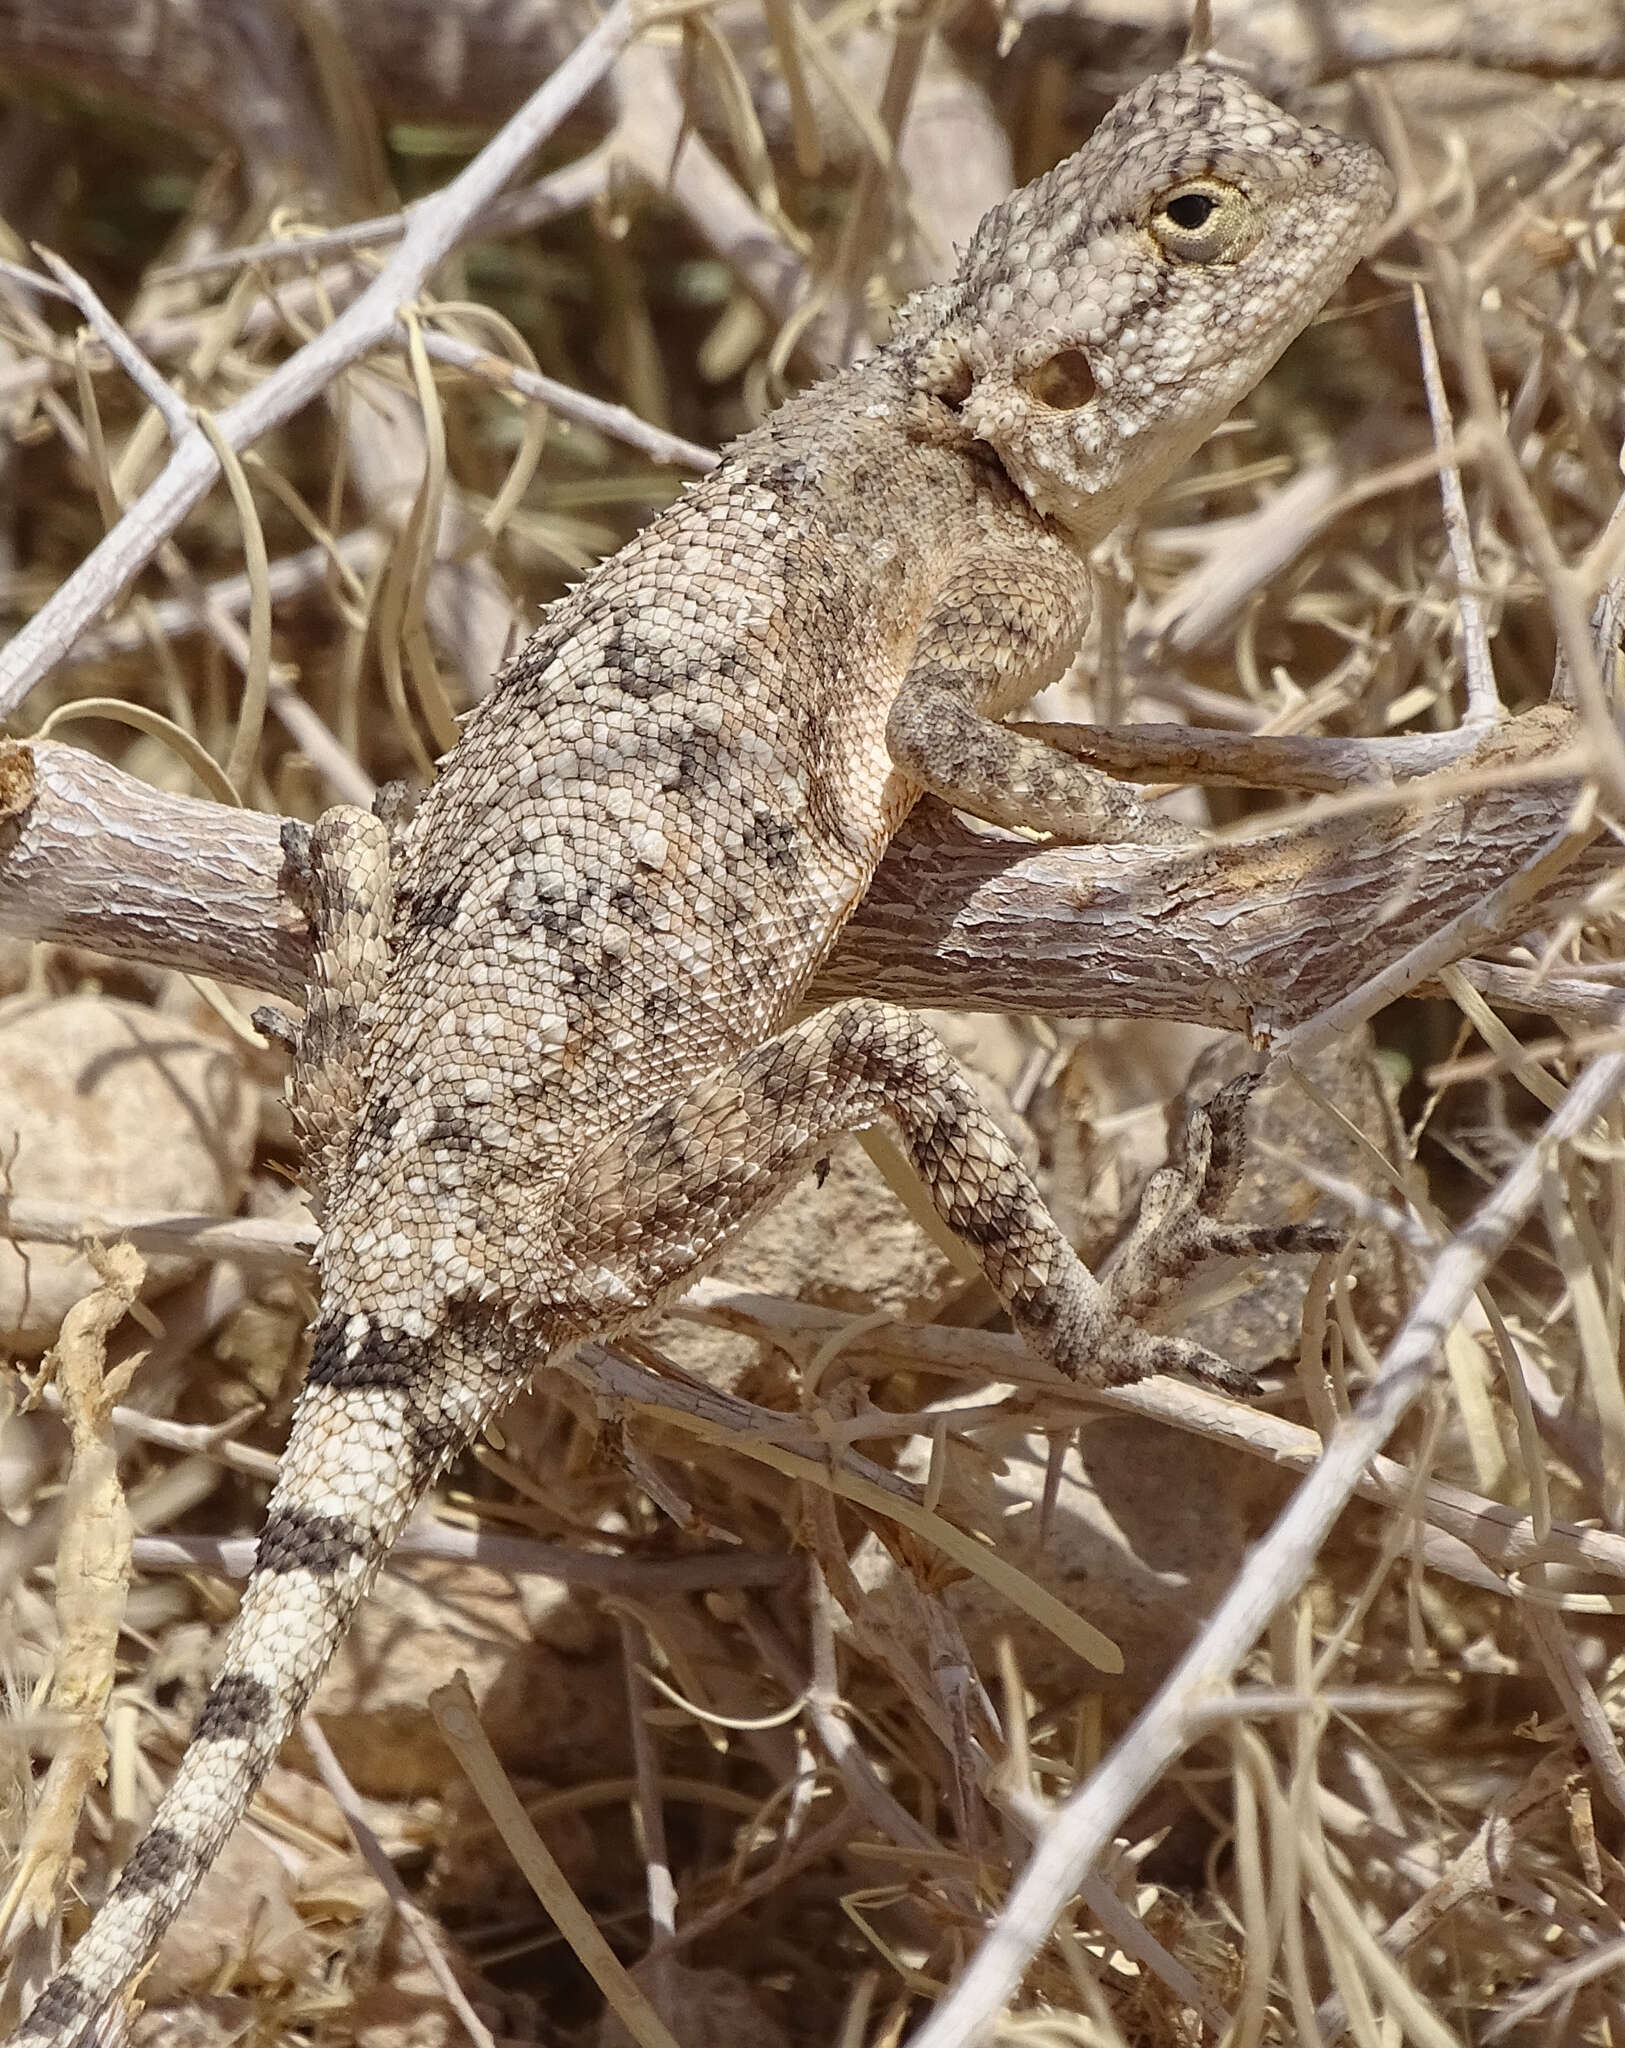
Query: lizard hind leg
{"type": "Point", "coordinates": [652, 1204]}
{"type": "Point", "coordinates": [1181, 1225]}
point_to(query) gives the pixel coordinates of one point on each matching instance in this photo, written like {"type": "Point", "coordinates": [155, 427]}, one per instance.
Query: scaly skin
{"type": "Point", "coordinates": [548, 1067]}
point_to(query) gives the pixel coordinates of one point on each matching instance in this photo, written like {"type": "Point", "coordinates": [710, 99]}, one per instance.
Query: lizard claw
{"type": "Point", "coordinates": [277, 1026]}
{"type": "Point", "coordinates": [1180, 1227]}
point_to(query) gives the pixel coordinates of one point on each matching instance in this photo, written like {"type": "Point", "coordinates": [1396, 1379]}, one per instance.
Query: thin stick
{"type": "Point", "coordinates": [437, 228]}
{"type": "Point", "coordinates": [1562, 1666]}
{"type": "Point", "coordinates": [1471, 1872]}
{"type": "Point", "coordinates": [418, 1923]}
{"type": "Point", "coordinates": [649, 1814]}
{"type": "Point", "coordinates": [1568, 598]}
{"type": "Point", "coordinates": [457, 1718]}
{"type": "Point", "coordinates": [287, 578]}
{"type": "Point", "coordinates": [1483, 700]}
{"type": "Point", "coordinates": [1275, 1571]}
{"type": "Point", "coordinates": [561, 191]}
{"type": "Point", "coordinates": [618, 421]}
{"type": "Point", "coordinates": [161, 395]}
{"type": "Point", "coordinates": [813, 1848]}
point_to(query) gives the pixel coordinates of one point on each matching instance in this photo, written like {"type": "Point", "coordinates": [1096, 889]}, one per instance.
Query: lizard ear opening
{"type": "Point", "coordinates": [1063, 381]}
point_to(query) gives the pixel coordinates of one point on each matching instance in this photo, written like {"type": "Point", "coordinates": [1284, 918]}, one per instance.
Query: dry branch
{"type": "Point", "coordinates": [1245, 938]}
{"type": "Point", "coordinates": [365, 324]}
{"type": "Point", "coordinates": [1297, 589]}
{"type": "Point", "coordinates": [1081, 1830]}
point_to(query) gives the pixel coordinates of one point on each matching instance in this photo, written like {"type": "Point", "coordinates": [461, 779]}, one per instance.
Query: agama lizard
{"type": "Point", "coordinates": [549, 1066]}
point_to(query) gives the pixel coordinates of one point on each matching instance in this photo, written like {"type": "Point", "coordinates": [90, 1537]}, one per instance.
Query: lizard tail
{"type": "Point", "coordinates": [371, 1431]}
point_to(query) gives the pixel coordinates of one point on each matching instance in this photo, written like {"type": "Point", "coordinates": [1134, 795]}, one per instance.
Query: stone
{"type": "Point", "coordinates": [108, 1107]}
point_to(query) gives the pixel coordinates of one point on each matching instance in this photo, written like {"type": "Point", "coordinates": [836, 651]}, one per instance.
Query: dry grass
{"type": "Point", "coordinates": [791, 1630]}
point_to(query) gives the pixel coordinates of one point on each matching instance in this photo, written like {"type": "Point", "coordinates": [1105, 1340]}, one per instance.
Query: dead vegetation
{"type": "Point", "coordinates": [815, 1643]}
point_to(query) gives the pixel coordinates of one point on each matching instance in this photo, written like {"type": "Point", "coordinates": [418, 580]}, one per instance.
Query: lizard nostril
{"type": "Point", "coordinates": [945, 376]}
{"type": "Point", "coordinates": [1063, 381]}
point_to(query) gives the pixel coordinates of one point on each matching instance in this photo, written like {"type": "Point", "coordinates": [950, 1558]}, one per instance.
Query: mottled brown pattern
{"type": "Point", "coordinates": [549, 1064]}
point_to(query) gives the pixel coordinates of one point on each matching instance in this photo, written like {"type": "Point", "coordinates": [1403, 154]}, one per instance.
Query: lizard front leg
{"type": "Point", "coordinates": [994, 633]}
{"type": "Point", "coordinates": [340, 873]}
{"type": "Point", "coordinates": [1001, 628]}
{"type": "Point", "coordinates": [1181, 1225]}
{"type": "Point", "coordinates": [647, 1208]}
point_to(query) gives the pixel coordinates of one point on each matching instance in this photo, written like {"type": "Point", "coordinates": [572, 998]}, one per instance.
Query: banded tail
{"type": "Point", "coordinates": [371, 1432]}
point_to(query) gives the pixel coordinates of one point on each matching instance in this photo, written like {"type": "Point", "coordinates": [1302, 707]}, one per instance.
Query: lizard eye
{"type": "Point", "coordinates": [1191, 209]}
{"type": "Point", "coordinates": [1205, 221]}
{"type": "Point", "coordinates": [1063, 381]}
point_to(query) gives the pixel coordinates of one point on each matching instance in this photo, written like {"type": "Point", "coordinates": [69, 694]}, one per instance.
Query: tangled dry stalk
{"type": "Point", "coordinates": [833, 1665]}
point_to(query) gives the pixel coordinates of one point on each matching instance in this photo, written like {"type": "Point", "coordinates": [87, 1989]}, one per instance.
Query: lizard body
{"type": "Point", "coordinates": [549, 1064]}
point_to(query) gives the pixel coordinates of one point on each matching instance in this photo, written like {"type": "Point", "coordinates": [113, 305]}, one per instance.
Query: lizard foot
{"type": "Point", "coordinates": [1180, 1225]}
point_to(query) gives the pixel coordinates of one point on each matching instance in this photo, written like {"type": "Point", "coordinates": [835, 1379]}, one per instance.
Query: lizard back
{"type": "Point", "coordinates": [551, 1058]}
{"type": "Point", "coordinates": [660, 819]}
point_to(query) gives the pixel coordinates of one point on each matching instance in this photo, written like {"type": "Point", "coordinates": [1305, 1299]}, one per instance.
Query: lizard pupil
{"type": "Point", "coordinates": [1191, 209]}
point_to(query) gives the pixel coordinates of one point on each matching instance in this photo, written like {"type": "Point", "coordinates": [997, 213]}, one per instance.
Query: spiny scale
{"type": "Point", "coordinates": [548, 1067]}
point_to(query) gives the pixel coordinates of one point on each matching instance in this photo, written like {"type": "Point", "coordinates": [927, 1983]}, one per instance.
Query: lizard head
{"type": "Point", "coordinates": [1107, 316]}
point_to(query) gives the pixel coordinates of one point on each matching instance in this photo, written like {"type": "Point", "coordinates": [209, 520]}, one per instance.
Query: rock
{"type": "Point", "coordinates": [242, 1917]}
{"type": "Point", "coordinates": [219, 2021]}
{"type": "Point", "coordinates": [400, 2001]}
{"type": "Point", "coordinates": [1147, 1530]}
{"type": "Point", "coordinates": [107, 1107]}
{"type": "Point", "coordinates": [560, 1718]}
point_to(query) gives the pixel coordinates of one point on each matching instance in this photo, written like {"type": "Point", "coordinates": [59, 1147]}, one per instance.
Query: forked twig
{"type": "Point", "coordinates": [1082, 1828]}
{"type": "Point", "coordinates": [366, 323]}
